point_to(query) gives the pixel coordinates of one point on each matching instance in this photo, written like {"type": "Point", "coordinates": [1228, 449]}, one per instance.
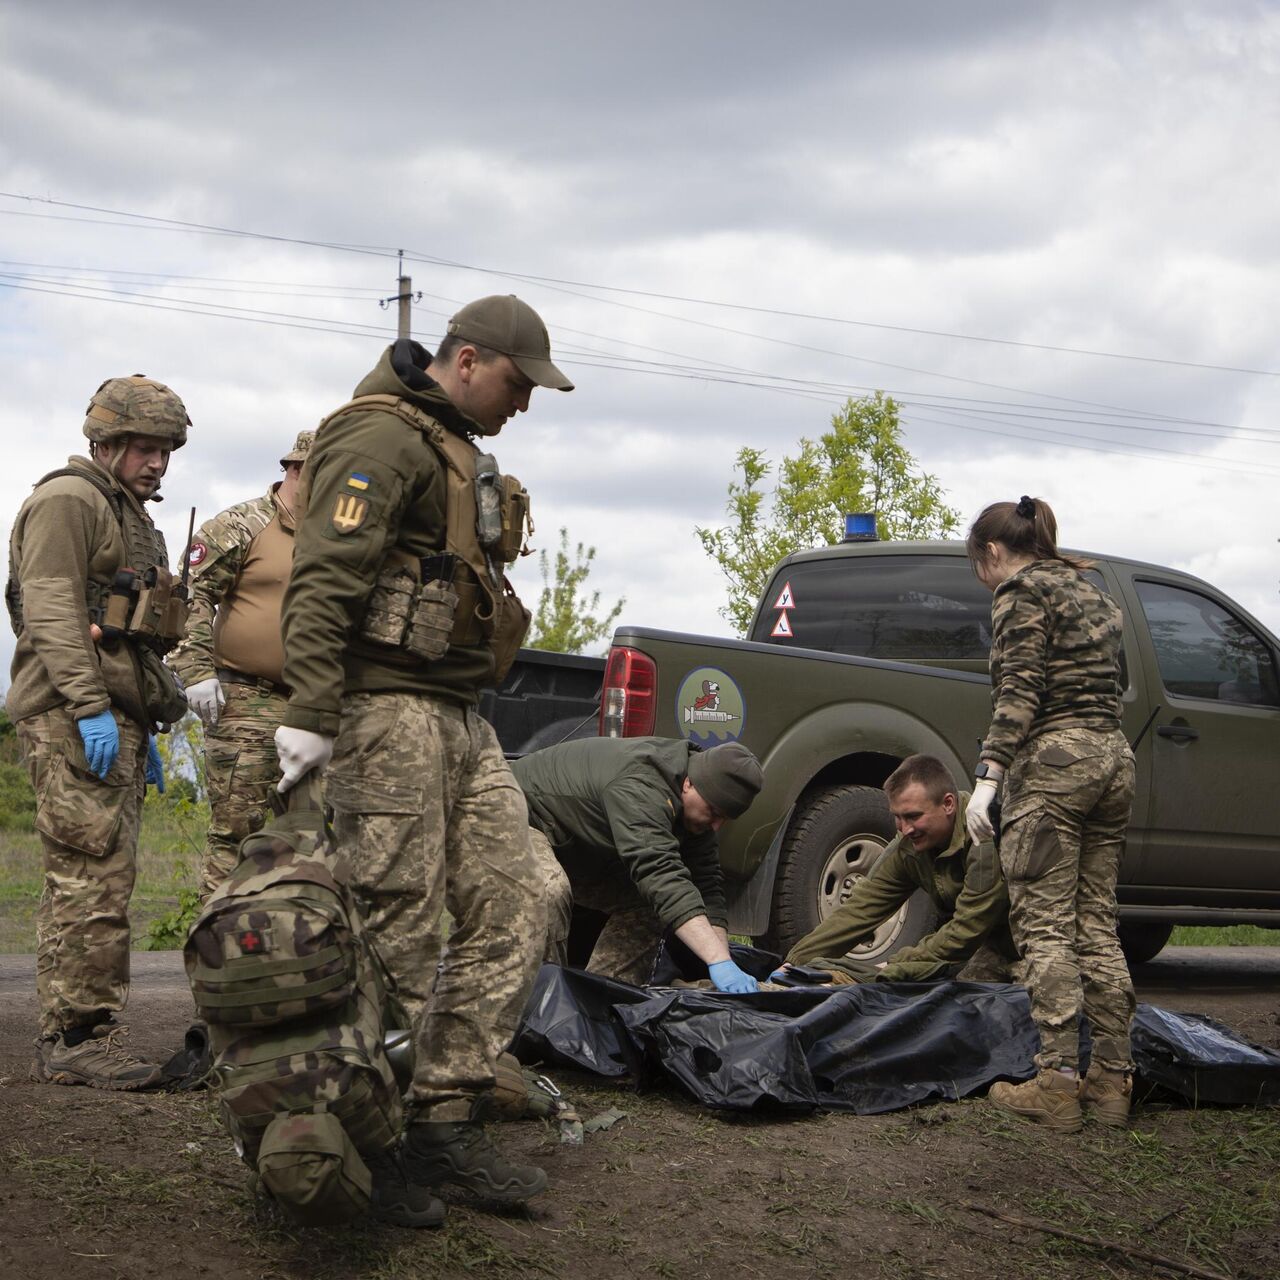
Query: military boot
{"type": "Point", "coordinates": [1106, 1095]}
{"type": "Point", "coordinates": [397, 1200]}
{"type": "Point", "coordinates": [95, 1057]}
{"type": "Point", "coordinates": [460, 1152]}
{"type": "Point", "coordinates": [1051, 1098]}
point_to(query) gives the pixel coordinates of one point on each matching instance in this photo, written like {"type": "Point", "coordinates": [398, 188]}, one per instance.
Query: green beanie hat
{"type": "Point", "coordinates": [728, 777]}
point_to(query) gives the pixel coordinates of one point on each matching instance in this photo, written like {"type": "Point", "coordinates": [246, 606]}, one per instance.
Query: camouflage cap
{"type": "Point", "coordinates": [503, 323]}
{"type": "Point", "coordinates": [136, 406]}
{"type": "Point", "coordinates": [301, 447]}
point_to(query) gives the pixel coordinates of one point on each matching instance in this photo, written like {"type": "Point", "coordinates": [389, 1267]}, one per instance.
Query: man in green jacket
{"type": "Point", "coordinates": [396, 615]}
{"type": "Point", "coordinates": [932, 851]}
{"type": "Point", "coordinates": [628, 827]}
{"type": "Point", "coordinates": [86, 565]}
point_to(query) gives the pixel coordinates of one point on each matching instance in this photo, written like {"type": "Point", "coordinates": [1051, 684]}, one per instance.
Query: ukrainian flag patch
{"type": "Point", "coordinates": [357, 481]}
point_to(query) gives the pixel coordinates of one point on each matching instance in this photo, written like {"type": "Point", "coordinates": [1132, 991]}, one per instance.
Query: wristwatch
{"type": "Point", "coordinates": [984, 771]}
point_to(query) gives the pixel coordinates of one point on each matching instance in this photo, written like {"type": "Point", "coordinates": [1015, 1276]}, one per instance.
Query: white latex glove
{"type": "Point", "coordinates": [977, 817]}
{"type": "Point", "coordinates": [206, 699]}
{"type": "Point", "coordinates": [300, 750]}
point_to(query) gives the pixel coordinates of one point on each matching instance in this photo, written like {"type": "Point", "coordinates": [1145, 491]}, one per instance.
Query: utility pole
{"type": "Point", "coordinates": [404, 297]}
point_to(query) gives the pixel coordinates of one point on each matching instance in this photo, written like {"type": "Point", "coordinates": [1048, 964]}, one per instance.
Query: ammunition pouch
{"type": "Point", "coordinates": [406, 613]}
{"type": "Point", "coordinates": [147, 607]}
{"type": "Point", "coordinates": [509, 630]}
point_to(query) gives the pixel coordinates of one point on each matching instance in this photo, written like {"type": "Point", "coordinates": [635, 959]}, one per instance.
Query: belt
{"type": "Point", "coordinates": [229, 676]}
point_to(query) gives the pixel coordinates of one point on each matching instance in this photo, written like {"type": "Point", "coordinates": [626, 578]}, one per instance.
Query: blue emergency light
{"type": "Point", "coordinates": [860, 527]}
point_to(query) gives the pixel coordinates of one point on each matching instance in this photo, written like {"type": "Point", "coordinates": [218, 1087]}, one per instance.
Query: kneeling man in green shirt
{"type": "Point", "coordinates": [932, 851]}
{"type": "Point", "coordinates": [627, 826]}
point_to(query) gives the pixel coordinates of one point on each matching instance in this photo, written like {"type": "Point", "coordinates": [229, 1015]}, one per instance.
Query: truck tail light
{"type": "Point", "coordinates": [628, 708]}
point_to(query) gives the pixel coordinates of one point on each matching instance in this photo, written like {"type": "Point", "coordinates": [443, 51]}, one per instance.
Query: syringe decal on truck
{"type": "Point", "coordinates": [709, 707]}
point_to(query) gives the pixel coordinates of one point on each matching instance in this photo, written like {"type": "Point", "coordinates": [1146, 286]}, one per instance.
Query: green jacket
{"type": "Point", "coordinates": [378, 470]}
{"type": "Point", "coordinates": [618, 799]}
{"type": "Point", "coordinates": [964, 883]}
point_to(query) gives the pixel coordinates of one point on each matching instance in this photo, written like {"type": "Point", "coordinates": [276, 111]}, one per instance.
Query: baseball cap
{"type": "Point", "coordinates": [503, 323]}
{"type": "Point", "coordinates": [728, 776]}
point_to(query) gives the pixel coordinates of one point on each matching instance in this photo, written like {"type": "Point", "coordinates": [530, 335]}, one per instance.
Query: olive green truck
{"type": "Point", "coordinates": [864, 653]}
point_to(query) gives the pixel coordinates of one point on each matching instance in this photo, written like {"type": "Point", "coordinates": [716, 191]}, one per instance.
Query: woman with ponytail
{"type": "Point", "coordinates": [1068, 774]}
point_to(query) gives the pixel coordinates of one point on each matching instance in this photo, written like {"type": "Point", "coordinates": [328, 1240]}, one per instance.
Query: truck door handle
{"type": "Point", "coordinates": [1177, 731]}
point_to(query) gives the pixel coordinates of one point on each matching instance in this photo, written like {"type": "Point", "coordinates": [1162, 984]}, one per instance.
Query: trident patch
{"type": "Point", "coordinates": [349, 512]}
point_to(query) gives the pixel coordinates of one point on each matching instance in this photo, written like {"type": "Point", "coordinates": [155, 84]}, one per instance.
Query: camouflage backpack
{"type": "Point", "coordinates": [284, 973]}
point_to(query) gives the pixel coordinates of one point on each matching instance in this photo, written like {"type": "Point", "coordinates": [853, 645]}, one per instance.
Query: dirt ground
{"type": "Point", "coordinates": [106, 1185]}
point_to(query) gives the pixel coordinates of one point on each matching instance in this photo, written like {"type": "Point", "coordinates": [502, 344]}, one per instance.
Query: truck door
{"type": "Point", "coordinates": [1213, 817]}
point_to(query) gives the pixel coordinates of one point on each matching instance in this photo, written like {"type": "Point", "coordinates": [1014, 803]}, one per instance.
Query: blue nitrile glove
{"type": "Point", "coordinates": [728, 977]}
{"type": "Point", "coordinates": [778, 973]}
{"type": "Point", "coordinates": [101, 738]}
{"type": "Point", "coordinates": [155, 766]}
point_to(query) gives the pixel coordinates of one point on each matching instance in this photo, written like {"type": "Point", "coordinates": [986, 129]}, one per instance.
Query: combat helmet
{"type": "Point", "coordinates": [136, 406]}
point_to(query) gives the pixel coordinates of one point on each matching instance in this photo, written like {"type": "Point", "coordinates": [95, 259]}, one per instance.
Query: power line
{"type": "Point", "coordinates": [567, 285]}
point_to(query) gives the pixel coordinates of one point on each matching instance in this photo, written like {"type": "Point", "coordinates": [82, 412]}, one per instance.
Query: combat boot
{"type": "Point", "coordinates": [397, 1200]}
{"type": "Point", "coordinates": [460, 1152]}
{"type": "Point", "coordinates": [1051, 1098]}
{"type": "Point", "coordinates": [1106, 1095]}
{"type": "Point", "coordinates": [99, 1060]}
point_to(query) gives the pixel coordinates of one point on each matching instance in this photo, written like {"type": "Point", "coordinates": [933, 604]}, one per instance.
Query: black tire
{"type": "Point", "coordinates": [837, 836]}
{"type": "Point", "coordinates": [1143, 940]}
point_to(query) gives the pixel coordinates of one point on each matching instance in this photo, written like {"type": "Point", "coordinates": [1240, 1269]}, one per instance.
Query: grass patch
{"type": "Point", "coordinates": [1240, 935]}
{"type": "Point", "coordinates": [168, 852]}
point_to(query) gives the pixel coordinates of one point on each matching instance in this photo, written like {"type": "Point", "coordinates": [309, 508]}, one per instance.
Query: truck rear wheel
{"type": "Point", "coordinates": [1143, 940]}
{"type": "Point", "coordinates": [837, 836]}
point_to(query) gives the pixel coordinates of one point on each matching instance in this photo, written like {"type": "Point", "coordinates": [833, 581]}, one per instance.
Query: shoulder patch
{"type": "Point", "coordinates": [357, 480]}
{"type": "Point", "coordinates": [348, 512]}
{"type": "Point", "coordinates": [196, 554]}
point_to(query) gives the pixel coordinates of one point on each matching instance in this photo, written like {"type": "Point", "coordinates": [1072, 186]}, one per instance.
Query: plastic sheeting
{"type": "Point", "coordinates": [867, 1048]}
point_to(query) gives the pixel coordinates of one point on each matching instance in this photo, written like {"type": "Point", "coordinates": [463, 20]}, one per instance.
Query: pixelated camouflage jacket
{"type": "Point", "coordinates": [67, 543]}
{"type": "Point", "coordinates": [1055, 657]}
{"type": "Point", "coordinates": [965, 885]}
{"type": "Point", "coordinates": [225, 540]}
{"type": "Point", "coordinates": [618, 800]}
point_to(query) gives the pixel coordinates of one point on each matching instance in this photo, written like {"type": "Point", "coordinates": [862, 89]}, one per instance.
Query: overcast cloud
{"type": "Point", "coordinates": [1094, 176]}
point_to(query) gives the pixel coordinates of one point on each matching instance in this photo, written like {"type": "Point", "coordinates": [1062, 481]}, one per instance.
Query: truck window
{"type": "Point", "coordinates": [897, 607]}
{"type": "Point", "coordinates": [1204, 651]}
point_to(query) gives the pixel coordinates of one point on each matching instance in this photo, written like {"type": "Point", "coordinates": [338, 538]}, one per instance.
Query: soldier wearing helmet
{"type": "Point", "coordinates": [232, 656]}
{"type": "Point", "coordinates": [93, 605]}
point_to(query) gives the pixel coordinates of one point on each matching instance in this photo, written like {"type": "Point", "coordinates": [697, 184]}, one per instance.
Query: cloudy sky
{"type": "Point", "coordinates": [1050, 230]}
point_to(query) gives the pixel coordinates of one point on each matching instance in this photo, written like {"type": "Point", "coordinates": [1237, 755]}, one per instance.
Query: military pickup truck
{"type": "Point", "coordinates": [865, 652]}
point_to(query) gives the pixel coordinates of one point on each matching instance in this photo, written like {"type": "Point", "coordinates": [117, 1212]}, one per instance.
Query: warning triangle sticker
{"type": "Point", "coordinates": [782, 627]}
{"type": "Point", "coordinates": [786, 600]}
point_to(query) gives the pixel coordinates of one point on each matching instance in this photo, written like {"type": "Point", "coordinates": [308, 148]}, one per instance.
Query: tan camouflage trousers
{"type": "Point", "coordinates": [89, 837]}
{"type": "Point", "coordinates": [1067, 799]}
{"type": "Point", "coordinates": [628, 944]}
{"type": "Point", "coordinates": [241, 767]}
{"type": "Point", "coordinates": [430, 817]}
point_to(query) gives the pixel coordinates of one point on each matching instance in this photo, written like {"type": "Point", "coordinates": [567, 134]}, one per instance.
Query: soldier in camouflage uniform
{"type": "Point", "coordinates": [629, 827]}
{"type": "Point", "coordinates": [232, 657]}
{"type": "Point", "coordinates": [932, 852]}
{"type": "Point", "coordinates": [88, 689]}
{"type": "Point", "coordinates": [397, 614]}
{"type": "Point", "coordinates": [1068, 773]}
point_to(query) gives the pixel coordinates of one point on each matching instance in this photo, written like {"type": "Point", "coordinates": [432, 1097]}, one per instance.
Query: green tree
{"type": "Point", "coordinates": [861, 464]}
{"type": "Point", "coordinates": [566, 619]}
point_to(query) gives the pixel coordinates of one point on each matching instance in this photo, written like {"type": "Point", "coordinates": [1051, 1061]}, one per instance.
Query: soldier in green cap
{"type": "Point", "coordinates": [94, 607]}
{"type": "Point", "coordinates": [232, 657]}
{"type": "Point", "coordinates": [397, 614]}
{"type": "Point", "coordinates": [628, 827]}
